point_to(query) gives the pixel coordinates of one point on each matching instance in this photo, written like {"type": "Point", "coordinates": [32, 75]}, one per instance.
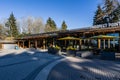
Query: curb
{"type": "Point", "coordinates": [43, 74]}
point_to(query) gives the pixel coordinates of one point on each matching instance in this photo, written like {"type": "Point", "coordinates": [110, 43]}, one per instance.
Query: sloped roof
{"type": "Point", "coordinates": [7, 41]}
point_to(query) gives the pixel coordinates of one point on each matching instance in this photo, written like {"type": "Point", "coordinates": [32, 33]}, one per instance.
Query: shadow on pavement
{"type": "Point", "coordinates": [85, 69]}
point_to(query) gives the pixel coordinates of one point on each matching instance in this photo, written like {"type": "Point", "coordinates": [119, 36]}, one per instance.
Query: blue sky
{"type": "Point", "coordinates": [76, 13]}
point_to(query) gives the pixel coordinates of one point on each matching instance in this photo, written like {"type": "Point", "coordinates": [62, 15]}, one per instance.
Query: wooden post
{"type": "Point", "coordinates": [23, 44]}
{"type": "Point", "coordinates": [108, 43]}
{"type": "Point", "coordinates": [2, 46]}
{"type": "Point", "coordinates": [88, 41]}
{"type": "Point", "coordinates": [113, 43]}
{"type": "Point", "coordinates": [43, 43]}
{"type": "Point", "coordinates": [99, 43]}
{"type": "Point", "coordinates": [103, 43]}
{"type": "Point", "coordinates": [84, 41]}
{"type": "Point", "coordinates": [75, 43]}
{"type": "Point", "coordinates": [80, 44]}
{"type": "Point", "coordinates": [36, 44]}
{"type": "Point", "coordinates": [18, 43]}
{"type": "Point", "coordinates": [29, 44]}
{"type": "Point", "coordinates": [53, 42]}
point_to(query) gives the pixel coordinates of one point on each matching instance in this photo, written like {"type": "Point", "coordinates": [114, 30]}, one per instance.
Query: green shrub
{"type": "Point", "coordinates": [56, 47]}
{"type": "Point", "coordinates": [71, 48]}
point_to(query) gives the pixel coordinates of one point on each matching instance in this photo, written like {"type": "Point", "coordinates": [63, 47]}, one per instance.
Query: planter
{"type": "Point", "coordinates": [56, 51]}
{"type": "Point", "coordinates": [107, 55]}
{"type": "Point", "coordinates": [51, 50]}
{"type": "Point", "coordinates": [96, 51]}
{"type": "Point", "coordinates": [71, 52]}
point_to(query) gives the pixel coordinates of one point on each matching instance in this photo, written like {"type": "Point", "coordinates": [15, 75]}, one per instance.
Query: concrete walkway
{"type": "Point", "coordinates": [37, 65]}
{"type": "Point", "coordinates": [23, 64]}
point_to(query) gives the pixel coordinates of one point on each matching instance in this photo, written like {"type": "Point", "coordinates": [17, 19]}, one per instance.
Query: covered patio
{"type": "Point", "coordinates": [103, 39]}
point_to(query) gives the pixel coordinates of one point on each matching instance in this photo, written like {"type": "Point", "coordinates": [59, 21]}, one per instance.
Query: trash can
{"type": "Point", "coordinates": [16, 47]}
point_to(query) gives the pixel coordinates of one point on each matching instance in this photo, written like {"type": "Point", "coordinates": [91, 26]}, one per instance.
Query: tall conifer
{"type": "Point", "coordinates": [11, 23]}
{"type": "Point", "coordinates": [98, 18]}
{"type": "Point", "coordinates": [64, 26]}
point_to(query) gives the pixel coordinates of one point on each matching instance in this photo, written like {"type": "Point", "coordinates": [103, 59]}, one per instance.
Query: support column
{"type": "Point", "coordinates": [75, 43]}
{"type": "Point", "coordinates": [43, 43]}
{"type": "Point", "coordinates": [36, 44]}
{"type": "Point", "coordinates": [103, 43]}
{"type": "Point", "coordinates": [28, 43]}
{"type": "Point", "coordinates": [53, 42]}
{"type": "Point", "coordinates": [2, 46]}
{"type": "Point", "coordinates": [80, 44]}
{"type": "Point", "coordinates": [99, 43]}
{"type": "Point", "coordinates": [88, 41]}
{"type": "Point", "coordinates": [108, 43]}
{"type": "Point", "coordinates": [18, 43]}
{"type": "Point", "coordinates": [23, 44]}
{"type": "Point", "coordinates": [113, 43]}
{"type": "Point", "coordinates": [84, 41]}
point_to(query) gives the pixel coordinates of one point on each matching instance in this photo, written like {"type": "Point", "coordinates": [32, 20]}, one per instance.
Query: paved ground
{"type": "Point", "coordinates": [23, 64]}
{"type": "Point", "coordinates": [83, 69]}
{"type": "Point", "coordinates": [36, 65]}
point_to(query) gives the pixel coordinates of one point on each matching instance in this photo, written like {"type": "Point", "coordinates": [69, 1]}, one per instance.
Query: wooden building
{"type": "Point", "coordinates": [6, 44]}
{"type": "Point", "coordinates": [42, 40]}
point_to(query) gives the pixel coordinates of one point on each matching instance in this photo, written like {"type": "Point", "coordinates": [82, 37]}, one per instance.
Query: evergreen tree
{"type": "Point", "coordinates": [110, 10]}
{"type": "Point", "coordinates": [50, 25]}
{"type": "Point", "coordinates": [110, 13]}
{"type": "Point", "coordinates": [49, 21]}
{"type": "Point", "coordinates": [11, 23]}
{"type": "Point", "coordinates": [116, 15]}
{"type": "Point", "coordinates": [98, 18]}
{"type": "Point", "coordinates": [1, 27]}
{"type": "Point", "coordinates": [53, 25]}
{"type": "Point", "coordinates": [108, 7]}
{"type": "Point", "coordinates": [3, 31]}
{"type": "Point", "coordinates": [64, 26]}
{"type": "Point", "coordinates": [115, 3]}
